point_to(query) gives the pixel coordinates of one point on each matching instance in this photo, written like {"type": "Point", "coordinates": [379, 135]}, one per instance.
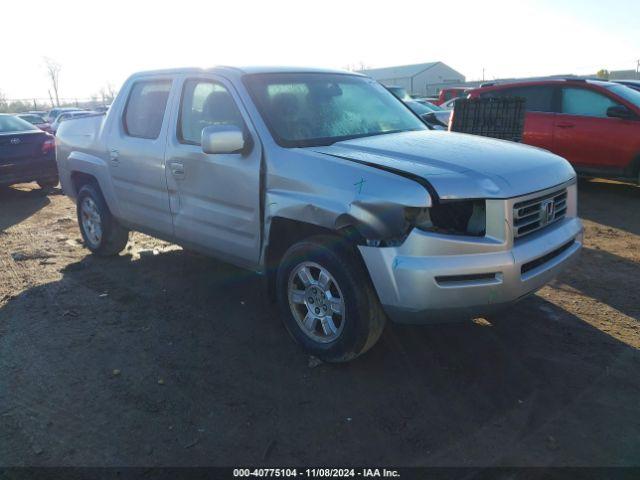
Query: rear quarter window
{"type": "Point", "coordinates": [146, 108]}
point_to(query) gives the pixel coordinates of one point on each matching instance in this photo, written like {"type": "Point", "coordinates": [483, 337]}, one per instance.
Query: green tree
{"type": "Point", "coordinates": [603, 73]}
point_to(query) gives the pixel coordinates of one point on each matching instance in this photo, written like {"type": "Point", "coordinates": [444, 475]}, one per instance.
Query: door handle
{"type": "Point", "coordinates": [565, 125]}
{"type": "Point", "coordinates": [177, 169]}
{"type": "Point", "coordinates": [114, 156]}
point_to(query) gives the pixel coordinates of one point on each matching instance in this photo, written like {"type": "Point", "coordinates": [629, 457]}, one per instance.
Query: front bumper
{"type": "Point", "coordinates": [433, 278]}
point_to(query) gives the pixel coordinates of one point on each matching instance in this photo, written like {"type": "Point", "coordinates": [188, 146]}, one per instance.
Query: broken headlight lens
{"type": "Point", "coordinates": [456, 217]}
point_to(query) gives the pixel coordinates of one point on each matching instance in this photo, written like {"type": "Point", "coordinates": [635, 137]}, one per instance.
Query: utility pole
{"type": "Point", "coordinates": [483, 74]}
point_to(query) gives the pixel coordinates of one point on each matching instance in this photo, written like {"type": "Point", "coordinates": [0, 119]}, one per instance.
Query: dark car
{"type": "Point", "coordinates": [27, 154]}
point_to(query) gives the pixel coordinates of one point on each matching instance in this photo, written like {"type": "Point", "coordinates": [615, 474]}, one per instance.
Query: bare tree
{"type": "Point", "coordinates": [3, 102]}
{"type": "Point", "coordinates": [356, 67]}
{"type": "Point", "coordinates": [53, 72]}
{"type": "Point", "coordinates": [111, 92]}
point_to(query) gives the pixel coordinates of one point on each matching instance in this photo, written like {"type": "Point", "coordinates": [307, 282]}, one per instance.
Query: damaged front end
{"type": "Point", "coordinates": [374, 207]}
{"type": "Point", "coordinates": [389, 225]}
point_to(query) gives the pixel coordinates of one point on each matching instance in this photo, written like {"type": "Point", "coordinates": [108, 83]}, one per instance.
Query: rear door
{"type": "Point", "coordinates": [539, 119]}
{"type": "Point", "coordinates": [215, 199]}
{"type": "Point", "coordinates": [586, 136]}
{"type": "Point", "coordinates": [136, 146]}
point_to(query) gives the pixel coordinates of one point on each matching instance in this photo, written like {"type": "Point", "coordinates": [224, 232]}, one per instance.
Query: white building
{"type": "Point", "coordinates": [424, 79]}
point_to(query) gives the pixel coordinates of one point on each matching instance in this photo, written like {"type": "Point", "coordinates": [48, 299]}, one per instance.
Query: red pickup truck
{"type": "Point", "coordinates": [594, 124]}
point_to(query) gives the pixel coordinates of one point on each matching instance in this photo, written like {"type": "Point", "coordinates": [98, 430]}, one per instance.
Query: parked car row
{"type": "Point", "coordinates": [27, 145]}
{"type": "Point", "coordinates": [50, 121]}
{"type": "Point", "coordinates": [430, 113]}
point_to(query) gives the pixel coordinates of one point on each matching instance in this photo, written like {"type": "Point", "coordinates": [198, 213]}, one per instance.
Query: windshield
{"type": "Point", "coordinates": [14, 124]}
{"type": "Point", "coordinates": [303, 110]}
{"type": "Point", "coordinates": [628, 93]}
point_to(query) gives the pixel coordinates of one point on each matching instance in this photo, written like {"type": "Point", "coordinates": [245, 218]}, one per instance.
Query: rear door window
{"type": "Point", "coordinates": [145, 108]}
{"type": "Point", "coordinates": [580, 101]}
{"type": "Point", "coordinates": [539, 98]}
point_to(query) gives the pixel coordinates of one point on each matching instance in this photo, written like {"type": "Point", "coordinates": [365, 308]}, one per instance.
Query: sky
{"type": "Point", "coordinates": [100, 42]}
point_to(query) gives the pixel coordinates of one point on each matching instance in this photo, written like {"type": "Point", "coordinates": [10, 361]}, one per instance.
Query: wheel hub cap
{"type": "Point", "coordinates": [91, 221]}
{"type": "Point", "coordinates": [316, 302]}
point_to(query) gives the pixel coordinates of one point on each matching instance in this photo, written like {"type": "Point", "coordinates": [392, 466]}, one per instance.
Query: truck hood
{"type": "Point", "coordinates": [459, 165]}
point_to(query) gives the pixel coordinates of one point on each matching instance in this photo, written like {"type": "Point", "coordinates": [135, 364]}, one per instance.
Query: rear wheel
{"type": "Point", "coordinates": [327, 300]}
{"type": "Point", "coordinates": [102, 234]}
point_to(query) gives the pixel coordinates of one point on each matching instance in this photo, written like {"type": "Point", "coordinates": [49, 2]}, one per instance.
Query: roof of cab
{"type": "Point", "coordinates": [247, 70]}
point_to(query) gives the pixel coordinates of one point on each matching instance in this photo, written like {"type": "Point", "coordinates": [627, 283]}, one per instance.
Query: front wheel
{"type": "Point", "coordinates": [327, 300]}
{"type": "Point", "coordinates": [102, 234]}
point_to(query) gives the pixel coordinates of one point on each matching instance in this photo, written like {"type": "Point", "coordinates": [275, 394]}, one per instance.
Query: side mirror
{"type": "Point", "coordinates": [620, 111]}
{"type": "Point", "coordinates": [222, 139]}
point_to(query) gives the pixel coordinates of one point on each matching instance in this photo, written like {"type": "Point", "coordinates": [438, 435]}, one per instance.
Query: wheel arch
{"type": "Point", "coordinates": [284, 232]}
{"type": "Point", "coordinates": [85, 169]}
{"type": "Point", "coordinates": [80, 179]}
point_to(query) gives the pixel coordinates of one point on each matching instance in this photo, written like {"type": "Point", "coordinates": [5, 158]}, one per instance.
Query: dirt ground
{"type": "Point", "coordinates": [169, 358]}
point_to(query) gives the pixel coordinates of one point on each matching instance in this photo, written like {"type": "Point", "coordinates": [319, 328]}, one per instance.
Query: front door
{"type": "Point", "coordinates": [586, 136]}
{"type": "Point", "coordinates": [215, 198]}
{"type": "Point", "coordinates": [136, 145]}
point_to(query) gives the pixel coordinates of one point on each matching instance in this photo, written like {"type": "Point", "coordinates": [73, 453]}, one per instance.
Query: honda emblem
{"type": "Point", "coordinates": [547, 211]}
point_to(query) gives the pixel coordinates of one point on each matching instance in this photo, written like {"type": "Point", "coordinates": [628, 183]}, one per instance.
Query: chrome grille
{"type": "Point", "coordinates": [536, 213]}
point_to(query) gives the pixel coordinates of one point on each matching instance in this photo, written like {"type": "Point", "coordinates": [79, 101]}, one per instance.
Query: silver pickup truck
{"type": "Point", "coordinates": [332, 188]}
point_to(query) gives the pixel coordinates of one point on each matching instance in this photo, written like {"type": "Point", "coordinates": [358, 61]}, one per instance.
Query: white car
{"type": "Point", "coordinates": [448, 105]}
{"type": "Point", "coordinates": [54, 112]}
{"type": "Point", "coordinates": [431, 114]}
{"type": "Point", "coordinates": [68, 115]}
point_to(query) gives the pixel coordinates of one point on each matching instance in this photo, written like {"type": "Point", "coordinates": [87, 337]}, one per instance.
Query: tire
{"type": "Point", "coordinates": [102, 234]}
{"type": "Point", "coordinates": [48, 184]}
{"type": "Point", "coordinates": [346, 289]}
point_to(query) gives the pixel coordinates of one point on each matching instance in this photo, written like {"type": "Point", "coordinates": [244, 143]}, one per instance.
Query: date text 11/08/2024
{"type": "Point", "coordinates": [316, 472]}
